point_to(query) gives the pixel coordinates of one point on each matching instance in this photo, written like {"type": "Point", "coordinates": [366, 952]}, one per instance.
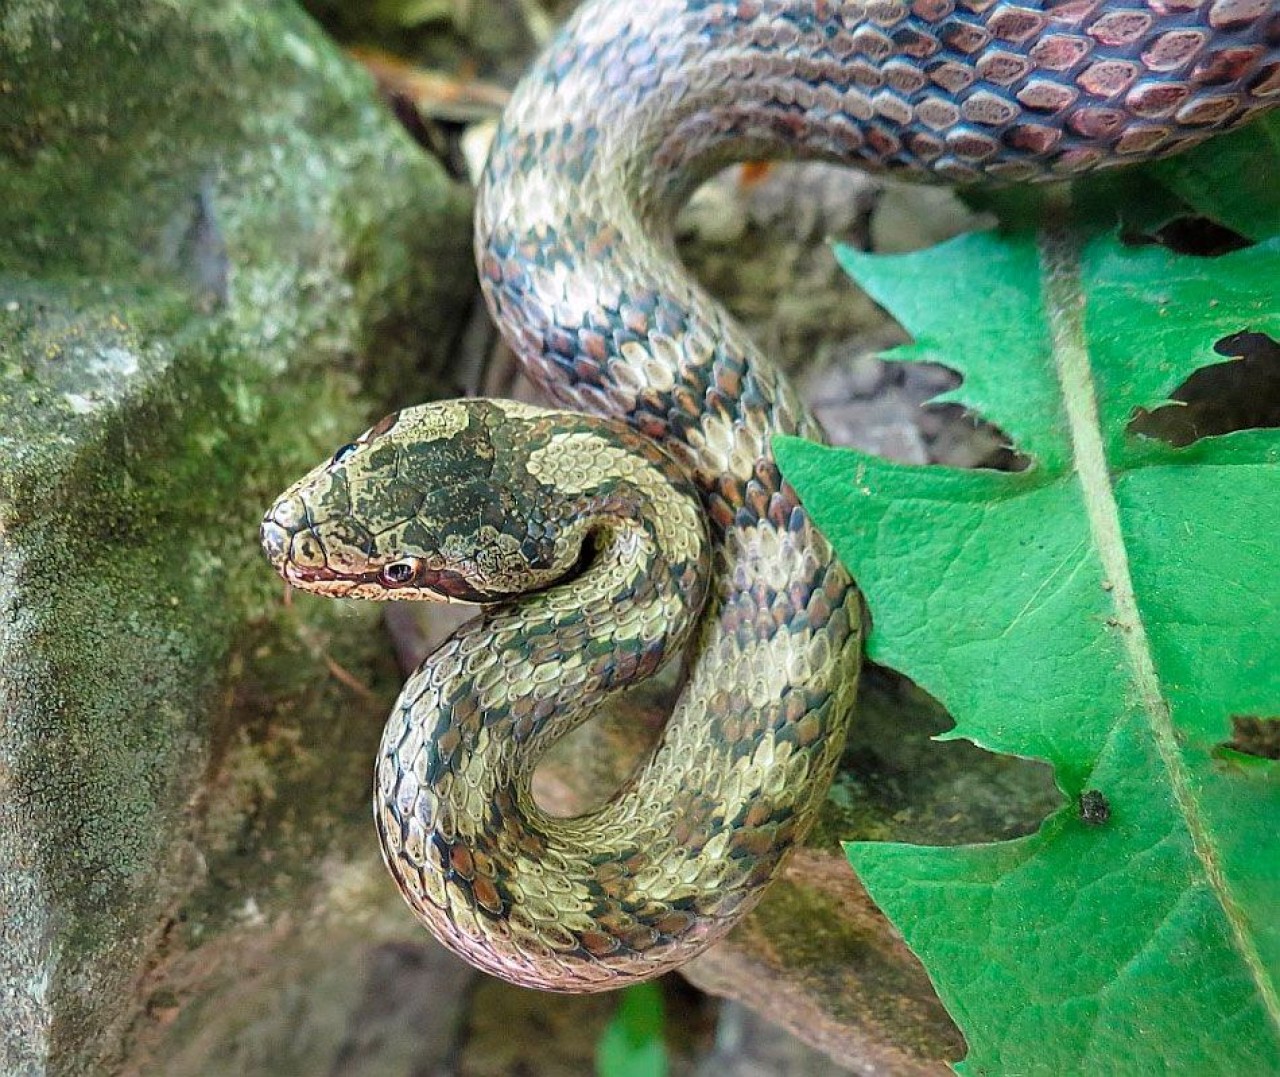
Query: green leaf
{"type": "Point", "coordinates": [1250, 202]}
{"type": "Point", "coordinates": [632, 1044]}
{"type": "Point", "coordinates": [1107, 610]}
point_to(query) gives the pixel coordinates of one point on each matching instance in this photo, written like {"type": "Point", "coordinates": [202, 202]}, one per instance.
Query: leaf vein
{"type": "Point", "coordinates": [1064, 300]}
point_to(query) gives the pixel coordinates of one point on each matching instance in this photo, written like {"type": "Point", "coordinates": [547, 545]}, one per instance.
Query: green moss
{"type": "Point", "coordinates": [208, 219]}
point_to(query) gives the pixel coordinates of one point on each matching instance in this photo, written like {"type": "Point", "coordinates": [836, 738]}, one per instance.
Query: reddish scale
{"type": "Point", "coordinates": [1226, 66]}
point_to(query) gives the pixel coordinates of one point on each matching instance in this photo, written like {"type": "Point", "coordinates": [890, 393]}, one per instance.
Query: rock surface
{"type": "Point", "coordinates": [208, 223]}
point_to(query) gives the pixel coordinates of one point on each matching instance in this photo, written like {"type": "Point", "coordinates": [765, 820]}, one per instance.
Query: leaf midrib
{"type": "Point", "coordinates": [1064, 301]}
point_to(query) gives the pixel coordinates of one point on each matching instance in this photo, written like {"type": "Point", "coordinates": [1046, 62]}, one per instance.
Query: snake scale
{"type": "Point", "coordinates": [590, 549]}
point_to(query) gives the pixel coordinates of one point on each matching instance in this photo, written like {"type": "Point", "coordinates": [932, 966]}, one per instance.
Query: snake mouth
{"type": "Point", "coordinates": [363, 585]}
{"type": "Point", "coordinates": [321, 581]}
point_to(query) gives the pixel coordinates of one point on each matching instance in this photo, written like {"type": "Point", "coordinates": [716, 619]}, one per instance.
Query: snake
{"type": "Point", "coordinates": [642, 522]}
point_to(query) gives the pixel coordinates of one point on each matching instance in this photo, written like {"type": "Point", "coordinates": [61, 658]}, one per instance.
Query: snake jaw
{"type": "Point", "coordinates": [281, 544]}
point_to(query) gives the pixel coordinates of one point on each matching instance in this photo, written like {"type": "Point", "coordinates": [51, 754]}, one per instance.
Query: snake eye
{"type": "Point", "coordinates": [398, 573]}
{"type": "Point", "coordinates": [345, 453]}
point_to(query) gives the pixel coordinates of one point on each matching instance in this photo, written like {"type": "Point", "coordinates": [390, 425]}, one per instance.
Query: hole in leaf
{"type": "Point", "coordinates": [883, 408]}
{"type": "Point", "coordinates": [1242, 395]}
{"type": "Point", "coordinates": [998, 453]}
{"type": "Point", "coordinates": [1254, 736]}
{"type": "Point", "coordinates": [896, 783]}
{"type": "Point", "coordinates": [1197, 236]}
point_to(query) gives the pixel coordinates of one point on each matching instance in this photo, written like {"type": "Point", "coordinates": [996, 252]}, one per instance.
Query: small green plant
{"type": "Point", "coordinates": [632, 1044]}
{"type": "Point", "coordinates": [1111, 610]}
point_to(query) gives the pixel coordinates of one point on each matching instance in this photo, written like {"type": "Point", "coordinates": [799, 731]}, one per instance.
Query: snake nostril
{"type": "Point", "coordinates": [289, 512]}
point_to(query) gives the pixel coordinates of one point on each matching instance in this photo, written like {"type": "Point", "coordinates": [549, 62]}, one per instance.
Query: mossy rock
{"type": "Point", "coordinates": [209, 223]}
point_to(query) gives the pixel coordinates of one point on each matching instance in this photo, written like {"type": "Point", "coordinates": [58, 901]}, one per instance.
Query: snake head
{"type": "Point", "coordinates": [431, 503]}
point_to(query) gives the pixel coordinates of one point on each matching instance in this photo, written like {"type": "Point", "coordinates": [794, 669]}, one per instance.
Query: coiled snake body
{"type": "Point", "coordinates": [630, 108]}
